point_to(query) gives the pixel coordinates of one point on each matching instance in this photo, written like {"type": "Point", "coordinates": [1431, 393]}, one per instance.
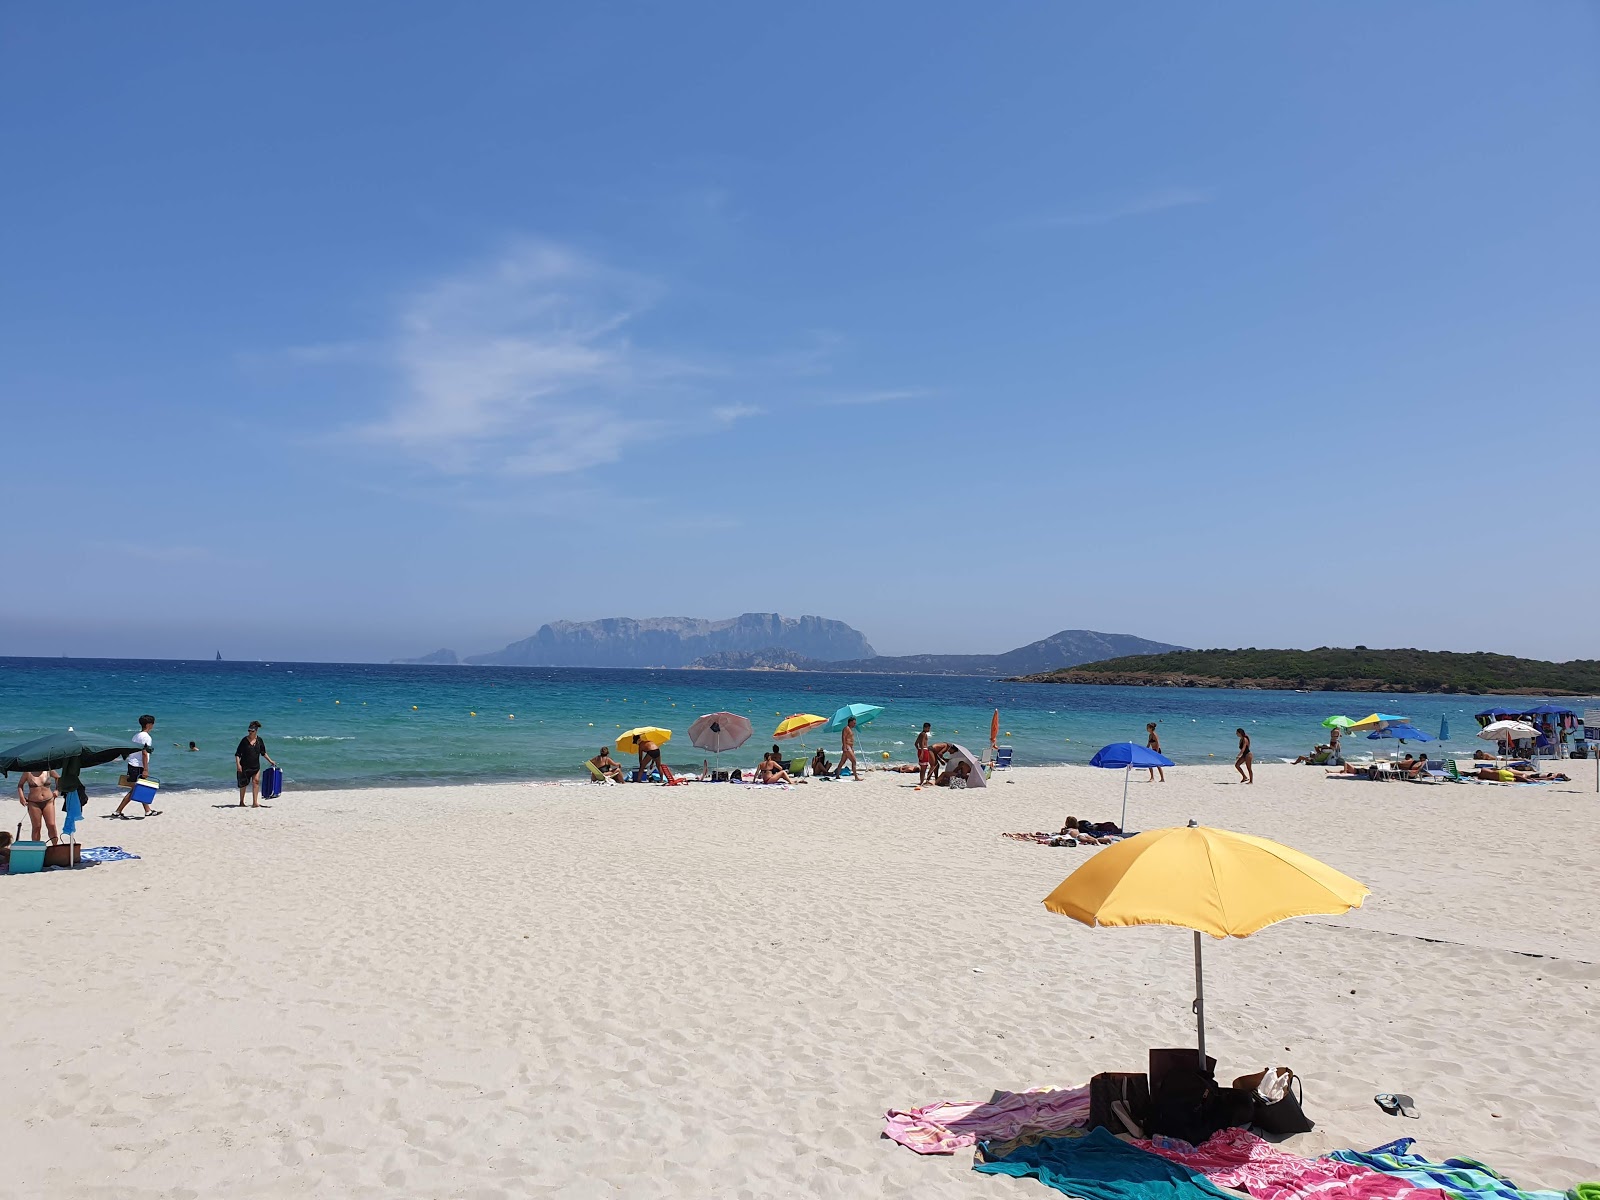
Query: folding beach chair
{"type": "Point", "coordinates": [1002, 758]}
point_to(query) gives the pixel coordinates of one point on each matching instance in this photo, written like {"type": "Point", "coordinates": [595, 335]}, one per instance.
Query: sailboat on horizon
{"type": "Point", "coordinates": [219, 655]}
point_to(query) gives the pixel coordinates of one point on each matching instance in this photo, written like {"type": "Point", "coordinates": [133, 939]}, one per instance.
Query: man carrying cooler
{"type": "Point", "coordinates": [139, 766]}
{"type": "Point", "coordinates": [247, 764]}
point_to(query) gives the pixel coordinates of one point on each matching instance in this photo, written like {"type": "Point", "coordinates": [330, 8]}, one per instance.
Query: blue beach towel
{"type": "Point", "coordinates": [1464, 1177]}
{"type": "Point", "coordinates": [74, 814]}
{"type": "Point", "coordinates": [104, 854]}
{"type": "Point", "coordinates": [1099, 1167]}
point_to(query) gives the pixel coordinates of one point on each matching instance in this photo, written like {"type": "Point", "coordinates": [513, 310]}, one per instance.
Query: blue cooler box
{"type": "Point", "coordinates": [146, 791]}
{"type": "Point", "coordinates": [27, 857]}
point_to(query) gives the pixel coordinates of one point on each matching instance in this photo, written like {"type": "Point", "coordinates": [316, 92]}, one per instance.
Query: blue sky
{"type": "Point", "coordinates": [350, 331]}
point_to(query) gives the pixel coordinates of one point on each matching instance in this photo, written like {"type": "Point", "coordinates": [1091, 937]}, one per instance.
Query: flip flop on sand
{"type": "Point", "coordinates": [1397, 1104]}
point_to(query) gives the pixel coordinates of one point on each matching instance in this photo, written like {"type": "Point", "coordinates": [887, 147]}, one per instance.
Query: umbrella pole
{"type": "Point", "coordinates": [1199, 1001]}
{"type": "Point", "coordinates": [1123, 825]}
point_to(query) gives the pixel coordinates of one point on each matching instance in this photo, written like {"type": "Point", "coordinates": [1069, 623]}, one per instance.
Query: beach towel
{"type": "Point", "coordinates": [1464, 1177]}
{"type": "Point", "coordinates": [1234, 1158]}
{"type": "Point", "coordinates": [1584, 1191]}
{"type": "Point", "coordinates": [1099, 1167]}
{"type": "Point", "coordinates": [74, 814]}
{"type": "Point", "coordinates": [104, 854]}
{"type": "Point", "coordinates": [944, 1128]}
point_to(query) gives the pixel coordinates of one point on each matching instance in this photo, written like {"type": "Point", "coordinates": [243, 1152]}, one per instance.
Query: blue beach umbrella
{"type": "Point", "coordinates": [1127, 755]}
{"type": "Point", "coordinates": [861, 712]}
{"type": "Point", "coordinates": [1406, 733]}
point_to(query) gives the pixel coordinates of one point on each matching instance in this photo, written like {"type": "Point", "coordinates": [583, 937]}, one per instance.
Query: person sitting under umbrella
{"type": "Point", "coordinates": [771, 770]}
{"type": "Point", "coordinates": [820, 765]}
{"type": "Point", "coordinates": [606, 765]}
{"type": "Point", "coordinates": [36, 792]}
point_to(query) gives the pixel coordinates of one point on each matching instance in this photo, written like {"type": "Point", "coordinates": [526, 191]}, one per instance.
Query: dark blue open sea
{"type": "Point", "coordinates": [342, 725]}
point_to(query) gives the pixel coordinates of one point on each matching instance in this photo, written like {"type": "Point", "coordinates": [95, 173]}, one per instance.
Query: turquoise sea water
{"type": "Point", "coordinates": [343, 725]}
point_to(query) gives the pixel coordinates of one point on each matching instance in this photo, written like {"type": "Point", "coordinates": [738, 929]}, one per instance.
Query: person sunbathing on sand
{"type": "Point", "coordinates": [771, 770]}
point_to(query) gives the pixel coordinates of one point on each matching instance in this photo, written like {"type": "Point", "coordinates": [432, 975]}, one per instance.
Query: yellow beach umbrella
{"type": "Point", "coordinates": [1208, 880]}
{"type": "Point", "coordinates": [628, 743]}
{"type": "Point", "coordinates": [1376, 721]}
{"type": "Point", "coordinates": [795, 724]}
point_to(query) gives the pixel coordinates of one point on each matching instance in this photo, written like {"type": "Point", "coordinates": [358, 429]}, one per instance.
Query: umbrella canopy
{"type": "Point", "coordinates": [994, 728]}
{"type": "Point", "coordinates": [720, 731]}
{"type": "Point", "coordinates": [861, 712]}
{"type": "Point", "coordinates": [1378, 721]}
{"type": "Point", "coordinates": [628, 743]}
{"type": "Point", "coordinates": [55, 749]}
{"type": "Point", "coordinates": [975, 777]}
{"type": "Point", "coordinates": [1208, 880]}
{"type": "Point", "coordinates": [1507, 731]}
{"type": "Point", "coordinates": [1406, 733]}
{"type": "Point", "coordinates": [1549, 710]}
{"type": "Point", "coordinates": [1128, 754]}
{"type": "Point", "coordinates": [1497, 712]}
{"type": "Point", "coordinates": [1337, 722]}
{"type": "Point", "coordinates": [795, 724]}
{"type": "Point", "coordinates": [1444, 729]}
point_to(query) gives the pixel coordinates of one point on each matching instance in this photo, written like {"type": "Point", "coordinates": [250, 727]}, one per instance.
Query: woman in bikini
{"type": "Point", "coordinates": [36, 791]}
{"type": "Point", "coordinates": [1246, 760]}
{"type": "Point", "coordinates": [1154, 743]}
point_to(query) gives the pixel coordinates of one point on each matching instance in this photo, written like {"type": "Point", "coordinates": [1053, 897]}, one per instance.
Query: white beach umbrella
{"type": "Point", "coordinates": [1507, 731]}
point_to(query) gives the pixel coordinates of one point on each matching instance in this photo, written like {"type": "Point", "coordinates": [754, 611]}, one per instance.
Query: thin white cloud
{"type": "Point", "coordinates": [881, 396]}
{"type": "Point", "coordinates": [1137, 206]}
{"type": "Point", "coordinates": [534, 364]}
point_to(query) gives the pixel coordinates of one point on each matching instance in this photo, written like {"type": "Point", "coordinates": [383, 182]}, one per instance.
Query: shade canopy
{"type": "Point", "coordinates": [1128, 754]}
{"type": "Point", "coordinates": [1548, 710]}
{"type": "Point", "coordinates": [1507, 731]}
{"type": "Point", "coordinates": [1337, 722]}
{"type": "Point", "coordinates": [861, 712]}
{"type": "Point", "coordinates": [1498, 711]}
{"type": "Point", "coordinates": [1212, 880]}
{"type": "Point", "coordinates": [975, 777]}
{"type": "Point", "coordinates": [795, 724]}
{"type": "Point", "coordinates": [628, 743]}
{"type": "Point", "coordinates": [1378, 721]}
{"type": "Point", "coordinates": [1406, 733]}
{"type": "Point", "coordinates": [55, 750]}
{"type": "Point", "coordinates": [720, 731]}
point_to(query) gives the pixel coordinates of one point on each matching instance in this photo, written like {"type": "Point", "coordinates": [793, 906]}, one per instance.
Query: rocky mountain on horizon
{"type": "Point", "coordinates": [1069, 648]}
{"type": "Point", "coordinates": [677, 641]}
{"type": "Point", "coordinates": [439, 658]}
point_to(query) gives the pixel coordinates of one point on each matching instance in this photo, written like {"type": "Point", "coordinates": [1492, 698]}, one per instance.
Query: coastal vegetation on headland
{"type": "Point", "coordinates": [1331, 669]}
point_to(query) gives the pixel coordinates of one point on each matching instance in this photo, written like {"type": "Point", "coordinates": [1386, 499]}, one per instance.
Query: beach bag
{"type": "Point", "coordinates": [1278, 1109]}
{"type": "Point", "coordinates": [1189, 1105]}
{"type": "Point", "coordinates": [1115, 1093]}
{"type": "Point", "coordinates": [271, 783]}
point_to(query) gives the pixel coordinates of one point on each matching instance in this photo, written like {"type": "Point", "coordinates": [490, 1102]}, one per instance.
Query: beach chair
{"type": "Point", "coordinates": [596, 772]}
{"type": "Point", "coordinates": [1002, 758]}
{"type": "Point", "coordinates": [1453, 770]}
{"type": "Point", "coordinates": [797, 766]}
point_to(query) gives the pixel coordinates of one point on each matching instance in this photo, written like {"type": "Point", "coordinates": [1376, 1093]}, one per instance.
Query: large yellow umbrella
{"type": "Point", "coordinates": [1208, 880]}
{"type": "Point", "coordinates": [1376, 721]}
{"type": "Point", "coordinates": [628, 743]}
{"type": "Point", "coordinates": [795, 724]}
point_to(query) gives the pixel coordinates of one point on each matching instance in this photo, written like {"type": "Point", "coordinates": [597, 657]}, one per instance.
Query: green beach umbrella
{"type": "Point", "coordinates": [1337, 722]}
{"type": "Point", "coordinates": [55, 749]}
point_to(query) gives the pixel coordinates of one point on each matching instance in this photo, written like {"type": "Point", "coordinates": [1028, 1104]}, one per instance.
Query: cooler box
{"type": "Point", "coordinates": [146, 791]}
{"type": "Point", "coordinates": [27, 857]}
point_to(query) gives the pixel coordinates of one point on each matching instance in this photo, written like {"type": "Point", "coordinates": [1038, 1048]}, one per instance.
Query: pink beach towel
{"type": "Point", "coordinates": [1233, 1158]}
{"type": "Point", "coordinates": [944, 1128]}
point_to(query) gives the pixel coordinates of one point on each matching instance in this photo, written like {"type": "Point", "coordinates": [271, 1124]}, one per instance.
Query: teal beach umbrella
{"type": "Point", "coordinates": [1444, 729]}
{"type": "Point", "coordinates": [861, 712]}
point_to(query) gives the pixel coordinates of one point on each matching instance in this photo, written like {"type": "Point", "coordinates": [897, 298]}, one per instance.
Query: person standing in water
{"type": "Point", "coordinates": [1154, 743]}
{"type": "Point", "coordinates": [847, 751]}
{"type": "Point", "coordinates": [1245, 764]}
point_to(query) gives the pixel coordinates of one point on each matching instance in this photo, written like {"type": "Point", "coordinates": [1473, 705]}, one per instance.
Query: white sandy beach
{"type": "Point", "coordinates": [705, 991]}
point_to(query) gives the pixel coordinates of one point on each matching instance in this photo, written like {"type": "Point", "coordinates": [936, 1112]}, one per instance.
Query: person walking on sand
{"type": "Point", "coordinates": [1154, 743]}
{"type": "Point", "coordinates": [139, 765]}
{"type": "Point", "coordinates": [847, 751]}
{"type": "Point", "coordinates": [247, 756]}
{"type": "Point", "coordinates": [924, 755]}
{"type": "Point", "coordinates": [1245, 764]}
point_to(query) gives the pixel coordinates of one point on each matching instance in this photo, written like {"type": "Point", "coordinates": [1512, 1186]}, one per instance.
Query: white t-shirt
{"type": "Point", "coordinates": [140, 758]}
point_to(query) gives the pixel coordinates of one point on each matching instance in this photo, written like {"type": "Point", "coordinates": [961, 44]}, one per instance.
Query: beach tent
{"type": "Point", "coordinates": [975, 777]}
{"type": "Point", "coordinates": [1208, 880]}
{"type": "Point", "coordinates": [1127, 755]}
